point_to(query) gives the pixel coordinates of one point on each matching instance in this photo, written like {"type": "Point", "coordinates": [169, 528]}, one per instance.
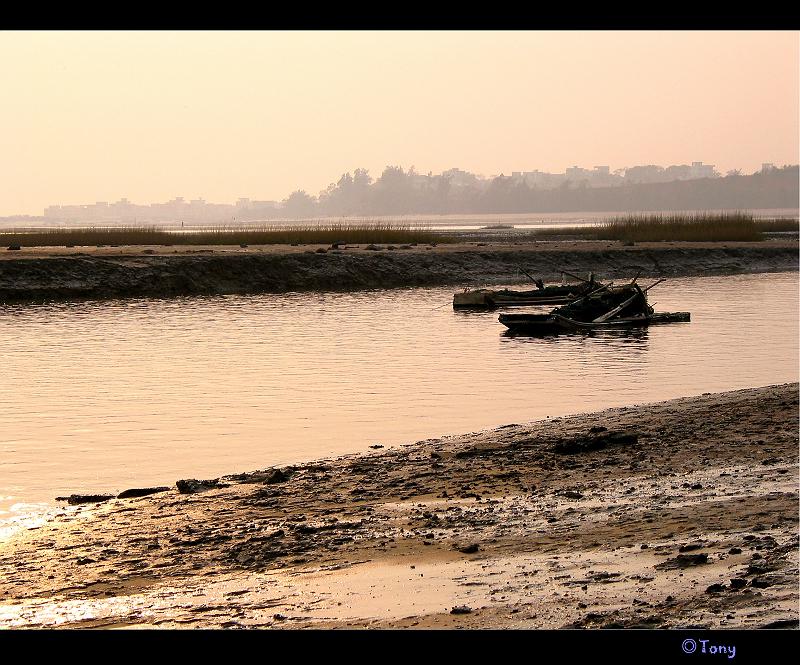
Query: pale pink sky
{"type": "Point", "coordinates": [96, 116]}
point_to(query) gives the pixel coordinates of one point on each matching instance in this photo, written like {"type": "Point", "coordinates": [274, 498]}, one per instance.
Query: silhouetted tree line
{"type": "Point", "coordinates": [399, 192]}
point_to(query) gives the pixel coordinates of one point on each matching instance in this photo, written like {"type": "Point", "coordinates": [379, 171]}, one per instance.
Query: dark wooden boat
{"type": "Point", "coordinates": [605, 308]}
{"type": "Point", "coordinates": [554, 294]}
{"type": "Point", "coordinates": [531, 324]}
{"type": "Point", "coordinates": [548, 324]}
{"type": "Point", "coordinates": [490, 299]}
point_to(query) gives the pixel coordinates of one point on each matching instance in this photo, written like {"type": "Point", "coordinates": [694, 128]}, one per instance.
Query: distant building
{"type": "Point", "coordinates": [700, 170]}
{"type": "Point", "coordinates": [459, 178]}
{"type": "Point", "coordinates": [602, 177]}
{"type": "Point", "coordinates": [576, 174]}
{"type": "Point", "coordinates": [541, 180]}
{"type": "Point", "coordinates": [644, 174]}
{"type": "Point", "coordinates": [678, 172]}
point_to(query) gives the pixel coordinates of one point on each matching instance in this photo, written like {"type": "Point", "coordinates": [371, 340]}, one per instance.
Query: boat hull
{"type": "Point", "coordinates": [550, 324]}
{"type": "Point", "coordinates": [489, 299]}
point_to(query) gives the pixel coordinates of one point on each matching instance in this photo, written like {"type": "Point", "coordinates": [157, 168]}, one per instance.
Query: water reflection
{"type": "Point", "coordinates": [604, 337]}
{"type": "Point", "coordinates": [630, 340]}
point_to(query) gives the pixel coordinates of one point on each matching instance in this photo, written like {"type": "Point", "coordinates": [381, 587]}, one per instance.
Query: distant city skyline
{"type": "Point", "coordinates": [400, 191]}
{"type": "Point", "coordinates": [597, 176]}
{"type": "Point", "coordinates": [143, 115]}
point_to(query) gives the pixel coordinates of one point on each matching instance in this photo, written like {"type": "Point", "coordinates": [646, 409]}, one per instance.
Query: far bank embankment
{"type": "Point", "coordinates": [38, 274]}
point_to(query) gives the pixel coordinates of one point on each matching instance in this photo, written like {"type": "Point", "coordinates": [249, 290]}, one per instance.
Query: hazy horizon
{"type": "Point", "coordinates": [299, 187]}
{"type": "Point", "coordinates": [147, 116]}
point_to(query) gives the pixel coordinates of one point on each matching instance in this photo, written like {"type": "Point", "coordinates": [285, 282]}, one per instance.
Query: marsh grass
{"type": "Point", "coordinates": [780, 225]}
{"type": "Point", "coordinates": [320, 233]}
{"type": "Point", "coordinates": [699, 227]}
{"type": "Point", "coordinates": [692, 228]}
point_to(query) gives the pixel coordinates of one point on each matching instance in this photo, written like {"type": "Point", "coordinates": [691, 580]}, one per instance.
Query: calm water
{"type": "Point", "coordinates": [103, 396]}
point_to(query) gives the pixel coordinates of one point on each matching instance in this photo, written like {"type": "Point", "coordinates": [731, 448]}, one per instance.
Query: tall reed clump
{"type": "Point", "coordinates": [779, 225]}
{"type": "Point", "coordinates": [268, 234]}
{"type": "Point", "coordinates": [710, 227]}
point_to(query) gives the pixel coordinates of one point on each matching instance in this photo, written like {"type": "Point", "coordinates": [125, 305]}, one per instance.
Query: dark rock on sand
{"type": "Point", "coordinates": [683, 561]}
{"type": "Point", "coordinates": [782, 623]}
{"type": "Point", "coordinates": [761, 583]}
{"type": "Point", "coordinates": [461, 609]}
{"type": "Point", "coordinates": [75, 499]}
{"type": "Point", "coordinates": [757, 567]}
{"type": "Point", "coordinates": [277, 476]}
{"type": "Point", "coordinates": [469, 549]}
{"type": "Point", "coordinates": [595, 440]}
{"type": "Point", "coordinates": [192, 486]}
{"type": "Point", "coordinates": [141, 491]}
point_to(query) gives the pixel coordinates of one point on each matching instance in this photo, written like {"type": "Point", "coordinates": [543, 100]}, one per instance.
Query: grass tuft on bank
{"type": "Point", "coordinates": [779, 225]}
{"type": "Point", "coordinates": [701, 227]}
{"type": "Point", "coordinates": [698, 227]}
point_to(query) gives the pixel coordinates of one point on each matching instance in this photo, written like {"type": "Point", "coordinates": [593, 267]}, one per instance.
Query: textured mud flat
{"type": "Point", "coordinates": [677, 514]}
{"type": "Point", "coordinates": [36, 274]}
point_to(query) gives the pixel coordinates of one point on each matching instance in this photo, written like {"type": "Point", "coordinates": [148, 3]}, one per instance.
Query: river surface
{"type": "Point", "coordinates": [104, 396]}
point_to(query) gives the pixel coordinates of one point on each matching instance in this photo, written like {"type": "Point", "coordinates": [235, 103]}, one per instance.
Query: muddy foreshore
{"type": "Point", "coordinates": [671, 515]}
{"type": "Point", "coordinates": [41, 274]}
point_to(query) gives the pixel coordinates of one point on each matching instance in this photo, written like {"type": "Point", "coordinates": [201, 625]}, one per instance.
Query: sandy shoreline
{"type": "Point", "coordinates": [37, 274]}
{"type": "Point", "coordinates": [677, 514]}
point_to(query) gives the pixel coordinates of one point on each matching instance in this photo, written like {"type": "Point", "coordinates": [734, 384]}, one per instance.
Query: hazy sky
{"type": "Point", "coordinates": [96, 116]}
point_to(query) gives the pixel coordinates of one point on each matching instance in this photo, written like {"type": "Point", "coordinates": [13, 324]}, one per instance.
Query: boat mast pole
{"type": "Point", "coordinates": [663, 279]}
{"type": "Point", "coordinates": [520, 268]}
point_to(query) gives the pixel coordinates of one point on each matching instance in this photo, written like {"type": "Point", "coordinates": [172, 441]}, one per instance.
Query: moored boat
{"type": "Point", "coordinates": [547, 324]}
{"type": "Point", "coordinates": [554, 294]}
{"type": "Point", "coordinates": [491, 299]}
{"type": "Point", "coordinates": [605, 308]}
